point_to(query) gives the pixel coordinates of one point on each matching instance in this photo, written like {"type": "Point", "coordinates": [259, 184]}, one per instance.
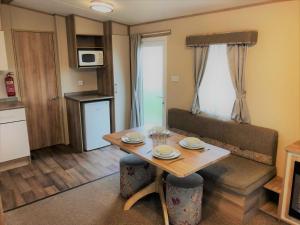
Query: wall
{"type": "Point", "coordinates": [2, 74]}
{"type": "Point", "coordinates": [70, 77]}
{"type": "Point", "coordinates": [119, 29]}
{"type": "Point", "coordinates": [121, 69]}
{"type": "Point", "coordinates": [272, 73]}
{"type": "Point", "coordinates": [29, 20]}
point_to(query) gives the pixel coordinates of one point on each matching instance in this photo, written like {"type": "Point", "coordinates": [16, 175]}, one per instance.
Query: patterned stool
{"type": "Point", "coordinates": [184, 199]}
{"type": "Point", "coordinates": [134, 175]}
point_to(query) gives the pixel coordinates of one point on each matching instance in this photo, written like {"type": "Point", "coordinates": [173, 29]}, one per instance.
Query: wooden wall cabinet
{"type": "Point", "coordinates": [3, 56]}
{"type": "Point", "coordinates": [83, 34]}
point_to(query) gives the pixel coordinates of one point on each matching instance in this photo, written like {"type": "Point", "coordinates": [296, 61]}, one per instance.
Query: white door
{"type": "Point", "coordinates": [121, 67]}
{"type": "Point", "coordinates": [13, 141]}
{"type": "Point", "coordinates": [154, 80]}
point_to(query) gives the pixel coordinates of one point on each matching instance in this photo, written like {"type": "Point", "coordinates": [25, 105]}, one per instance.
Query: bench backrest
{"type": "Point", "coordinates": [252, 142]}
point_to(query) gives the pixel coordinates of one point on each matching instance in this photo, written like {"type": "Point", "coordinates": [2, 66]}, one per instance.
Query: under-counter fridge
{"type": "Point", "coordinates": [96, 124]}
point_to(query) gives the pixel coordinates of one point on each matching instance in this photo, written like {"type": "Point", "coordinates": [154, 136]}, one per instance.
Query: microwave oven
{"type": "Point", "coordinates": [90, 58]}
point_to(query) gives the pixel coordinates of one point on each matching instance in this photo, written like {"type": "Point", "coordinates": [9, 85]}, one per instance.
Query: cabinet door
{"type": "Point", "coordinates": [96, 124]}
{"type": "Point", "coordinates": [13, 141]}
{"type": "Point", "coordinates": [121, 66]}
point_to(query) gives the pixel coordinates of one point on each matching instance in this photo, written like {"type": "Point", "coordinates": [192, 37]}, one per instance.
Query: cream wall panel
{"type": "Point", "coordinates": [121, 67]}
{"type": "Point", "coordinates": [272, 73]}
{"type": "Point", "coordinates": [86, 26]}
{"type": "Point", "coordinates": [6, 24]}
{"type": "Point", "coordinates": [69, 77]}
{"type": "Point", "coordinates": [3, 57]}
{"type": "Point", "coordinates": [119, 29]}
{"type": "Point", "coordinates": [23, 19]}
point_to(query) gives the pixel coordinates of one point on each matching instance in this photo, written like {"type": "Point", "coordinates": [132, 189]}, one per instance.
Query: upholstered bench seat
{"type": "Point", "coordinates": [234, 173]}
{"type": "Point", "coordinates": [235, 184]}
{"type": "Point", "coordinates": [240, 175]}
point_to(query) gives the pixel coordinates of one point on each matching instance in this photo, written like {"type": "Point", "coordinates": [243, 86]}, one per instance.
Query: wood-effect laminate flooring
{"type": "Point", "coordinates": [54, 170]}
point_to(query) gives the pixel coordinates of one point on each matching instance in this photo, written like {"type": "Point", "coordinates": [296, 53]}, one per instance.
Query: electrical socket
{"type": "Point", "coordinates": [80, 83]}
{"type": "Point", "coordinates": [175, 78]}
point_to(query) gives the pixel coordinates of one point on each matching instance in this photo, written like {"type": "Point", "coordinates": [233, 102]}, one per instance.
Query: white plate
{"type": "Point", "coordinates": [164, 155]}
{"type": "Point", "coordinates": [173, 156]}
{"type": "Point", "coordinates": [182, 143]}
{"type": "Point", "coordinates": [193, 142]}
{"type": "Point", "coordinates": [134, 136]}
{"type": "Point", "coordinates": [128, 141]}
{"type": "Point", "coordinates": [164, 150]}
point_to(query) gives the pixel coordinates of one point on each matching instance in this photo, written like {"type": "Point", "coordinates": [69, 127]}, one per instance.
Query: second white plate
{"type": "Point", "coordinates": [128, 141]}
{"type": "Point", "coordinates": [184, 145]}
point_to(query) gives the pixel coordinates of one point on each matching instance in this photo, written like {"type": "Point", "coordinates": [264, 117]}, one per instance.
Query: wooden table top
{"type": "Point", "coordinates": [190, 161]}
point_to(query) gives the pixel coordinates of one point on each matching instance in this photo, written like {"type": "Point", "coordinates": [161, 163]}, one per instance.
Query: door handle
{"type": "Point", "coordinates": [54, 98]}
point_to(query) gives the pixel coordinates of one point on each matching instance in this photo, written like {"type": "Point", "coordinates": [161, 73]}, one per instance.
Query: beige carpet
{"type": "Point", "coordinates": [99, 203]}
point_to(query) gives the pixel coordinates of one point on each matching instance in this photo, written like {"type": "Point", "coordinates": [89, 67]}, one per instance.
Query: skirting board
{"type": "Point", "coordinates": [14, 163]}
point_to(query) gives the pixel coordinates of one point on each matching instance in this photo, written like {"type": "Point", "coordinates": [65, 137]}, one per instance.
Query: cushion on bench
{"type": "Point", "coordinates": [240, 175]}
{"type": "Point", "coordinates": [248, 141]}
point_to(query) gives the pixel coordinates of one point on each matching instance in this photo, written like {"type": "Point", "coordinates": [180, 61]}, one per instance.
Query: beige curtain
{"type": "Point", "coordinates": [200, 60]}
{"type": "Point", "coordinates": [237, 58]}
{"type": "Point", "coordinates": [137, 114]}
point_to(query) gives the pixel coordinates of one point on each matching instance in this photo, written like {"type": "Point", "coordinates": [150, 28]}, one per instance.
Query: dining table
{"type": "Point", "coordinates": [189, 161]}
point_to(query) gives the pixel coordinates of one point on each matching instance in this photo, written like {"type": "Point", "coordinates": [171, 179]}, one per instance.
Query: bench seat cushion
{"type": "Point", "coordinates": [237, 174]}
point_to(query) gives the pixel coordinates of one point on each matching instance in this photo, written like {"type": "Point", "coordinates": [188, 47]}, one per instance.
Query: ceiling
{"type": "Point", "coordinates": [134, 11]}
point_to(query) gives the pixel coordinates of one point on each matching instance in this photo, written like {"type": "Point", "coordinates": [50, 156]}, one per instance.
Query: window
{"type": "Point", "coordinates": [216, 92]}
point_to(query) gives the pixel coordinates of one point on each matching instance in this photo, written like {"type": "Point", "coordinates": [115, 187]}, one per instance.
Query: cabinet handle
{"type": "Point", "coordinates": [54, 98]}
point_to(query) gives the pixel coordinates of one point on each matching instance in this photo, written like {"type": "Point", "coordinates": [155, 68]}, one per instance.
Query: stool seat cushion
{"type": "Point", "coordinates": [191, 181]}
{"type": "Point", "coordinates": [132, 160]}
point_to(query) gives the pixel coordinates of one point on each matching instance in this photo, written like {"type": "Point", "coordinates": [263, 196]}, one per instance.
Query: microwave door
{"type": "Point", "coordinates": [87, 59]}
{"type": "Point", "coordinates": [90, 58]}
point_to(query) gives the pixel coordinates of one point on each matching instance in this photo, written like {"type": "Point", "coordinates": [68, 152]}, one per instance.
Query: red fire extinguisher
{"type": "Point", "coordinates": [10, 86]}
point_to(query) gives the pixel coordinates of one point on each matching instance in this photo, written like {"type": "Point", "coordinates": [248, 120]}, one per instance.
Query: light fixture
{"type": "Point", "coordinates": [101, 6]}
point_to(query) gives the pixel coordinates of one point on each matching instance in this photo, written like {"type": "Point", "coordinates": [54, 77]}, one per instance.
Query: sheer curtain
{"type": "Point", "coordinates": [137, 115]}
{"type": "Point", "coordinates": [200, 62]}
{"type": "Point", "coordinates": [237, 60]}
{"type": "Point", "coordinates": [216, 92]}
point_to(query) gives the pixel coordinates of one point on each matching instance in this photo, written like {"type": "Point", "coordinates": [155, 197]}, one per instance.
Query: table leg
{"type": "Point", "coordinates": [163, 204]}
{"type": "Point", "coordinates": [154, 187]}
{"type": "Point", "coordinates": [151, 188]}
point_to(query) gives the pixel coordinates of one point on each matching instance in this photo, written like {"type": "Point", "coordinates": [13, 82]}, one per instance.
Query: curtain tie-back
{"type": "Point", "coordinates": [241, 95]}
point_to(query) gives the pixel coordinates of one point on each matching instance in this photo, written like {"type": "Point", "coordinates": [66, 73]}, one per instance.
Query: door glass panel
{"type": "Point", "coordinates": [153, 82]}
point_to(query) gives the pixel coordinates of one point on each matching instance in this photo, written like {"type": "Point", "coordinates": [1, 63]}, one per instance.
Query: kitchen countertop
{"type": "Point", "coordinates": [11, 105]}
{"type": "Point", "coordinates": [86, 97]}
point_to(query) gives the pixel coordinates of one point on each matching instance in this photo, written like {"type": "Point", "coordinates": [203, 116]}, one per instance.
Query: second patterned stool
{"type": "Point", "coordinates": [135, 174]}
{"type": "Point", "coordinates": [184, 199]}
